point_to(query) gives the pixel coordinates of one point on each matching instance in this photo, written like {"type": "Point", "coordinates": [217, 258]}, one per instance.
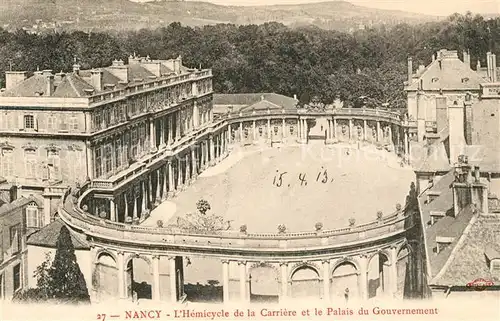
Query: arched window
{"type": "Point", "coordinates": [32, 215]}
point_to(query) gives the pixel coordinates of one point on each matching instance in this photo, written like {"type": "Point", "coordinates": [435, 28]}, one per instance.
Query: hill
{"type": "Point", "coordinates": [40, 15]}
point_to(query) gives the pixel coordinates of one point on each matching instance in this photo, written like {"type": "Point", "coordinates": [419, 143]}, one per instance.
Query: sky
{"type": "Point", "coordinates": [432, 7]}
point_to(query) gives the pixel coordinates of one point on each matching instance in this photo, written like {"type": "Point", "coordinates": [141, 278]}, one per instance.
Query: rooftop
{"type": "Point", "coordinates": [446, 72]}
{"type": "Point", "coordinates": [47, 236]}
{"type": "Point", "coordinates": [253, 101]}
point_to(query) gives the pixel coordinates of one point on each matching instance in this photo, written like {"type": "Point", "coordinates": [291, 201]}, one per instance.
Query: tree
{"type": "Point", "coordinates": [66, 282]}
{"type": "Point", "coordinates": [202, 222]}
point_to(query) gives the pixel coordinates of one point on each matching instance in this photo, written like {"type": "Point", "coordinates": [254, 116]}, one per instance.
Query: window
{"type": "Point", "coordinates": [73, 123]}
{"type": "Point", "coordinates": [276, 130]}
{"type": "Point", "coordinates": [245, 133]}
{"type": "Point", "coordinates": [435, 79]}
{"type": "Point", "coordinates": [15, 238]}
{"type": "Point", "coordinates": [98, 161]}
{"type": "Point", "coordinates": [53, 164]}
{"type": "Point", "coordinates": [30, 163]}
{"type": "Point", "coordinates": [134, 142]}
{"type": "Point", "coordinates": [29, 122]}
{"type": "Point", "coordinates": [51, 122]}
{"type": "Point", "coordinates": [17, 277]}
{"type": "Point", "coordinates": [291, 130]}
{"type": "Point", "coordinates": [32, 218]}
{"type": "Point", "coordinates": [7, 162]}
{"type": "Point", "coordinates": [119, 152]}
{"type": "Point", "coordinates": [97, 120]}
{"type": "Point", "coordinates": [108, 159]}
{"type": "Point", "coordinates": [260, 131]}
{"type": "Point", "coordinates": [107, 117]}
{"type": "Point", "coordinates": [63, 124]}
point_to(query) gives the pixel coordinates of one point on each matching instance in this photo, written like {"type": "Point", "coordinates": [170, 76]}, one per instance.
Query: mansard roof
{"type": "Point", "coordinates": [447, 72]}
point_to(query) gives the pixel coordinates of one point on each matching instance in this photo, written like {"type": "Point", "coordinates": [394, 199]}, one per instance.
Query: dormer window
{"type": "Point", "coordinates": [442, 242]}
{"type": "Point", "coordinates": [436, 216]}
{"type": "Point", "coordinates": [493, 259]}
{"type": "Point", "coordinates": [465, 80]}
{"type": "Point", "coordinates": [435, 79]}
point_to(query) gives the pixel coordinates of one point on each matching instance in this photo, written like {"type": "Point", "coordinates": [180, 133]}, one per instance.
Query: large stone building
{"type": "Point", "coordinates": [66, 128]}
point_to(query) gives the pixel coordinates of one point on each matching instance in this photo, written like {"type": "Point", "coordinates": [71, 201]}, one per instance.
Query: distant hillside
{"type": "Point", "coordinates": [40, 15]}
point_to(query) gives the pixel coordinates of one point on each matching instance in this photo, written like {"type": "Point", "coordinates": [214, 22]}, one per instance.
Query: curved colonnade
{"type": "Point", "coordinates": [359, 261]}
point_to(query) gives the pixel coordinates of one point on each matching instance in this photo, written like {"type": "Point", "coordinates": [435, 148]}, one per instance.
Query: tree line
{"type": "Point", "coordinates": [307, 61]}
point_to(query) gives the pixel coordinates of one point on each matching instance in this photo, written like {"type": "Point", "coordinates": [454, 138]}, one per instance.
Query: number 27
{"type": "Point", "coordinates": [101, 317]}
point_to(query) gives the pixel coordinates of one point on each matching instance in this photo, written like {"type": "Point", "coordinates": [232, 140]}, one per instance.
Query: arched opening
{"type": "Point", "coordinates": [305, 283]}
{"type": "Point", "coordinates": [140, 279]}
{"type": "Point", "coordinates": [264, 284]}
{"type": "Point", "coordinates": [378, 275]}
{"type": "Point", "coordinates": [105, 278]}
{"type": "Point", "coordinates": [345, 281]}
{"type": "Point", "coordinates": [403, 266]}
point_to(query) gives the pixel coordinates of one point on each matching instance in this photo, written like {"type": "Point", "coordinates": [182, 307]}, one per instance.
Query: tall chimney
{"type": "Point", "coordinates": [76, 68]}
{"type": "Point", "coordinates": [467, 58]}
{"type": "Point", "coordinates": [14, 78]}
{"type": "Point", "coordinates": [488, 65]}
{"type": "Point", "coordinates": [468, 189]}
{"type": "Point", "coordinates": [119, 70]}
{"type": "Point", "coordinates": [49, 91]}
{"type": "Point", "coordinates": [478, 65]}
{"type": "Point", "coordinates": [456, 130]}
{"type": "Point", "coordinates": [441, 113]}
{"type": "Point", "coordinates": [177, 65]}
{"type": "Point", "coordinates": [96, 79]}
{"type": "Point", "coordinates": [153, 66]}
{"type": "Point", "coordinates": [410, 69]}
{"type": "Point", "coordinates": [468, 119]}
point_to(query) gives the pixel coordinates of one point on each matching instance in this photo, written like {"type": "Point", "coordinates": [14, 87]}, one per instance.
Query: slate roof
{"type": "Point", "coordinates": [253, 98]}
{"type": "Point", "coordinates": [47, 236]}
{"type": "Point", "coordinates": [31, 87]}
{"type": "Point", "coordinates": [470, 262]}
{"type": "Point", "coordinates": [21, 201]}
{"type": "Point", "coordinates": [72, 86]}
{"type": "Point", "coordinates": [447, 73]}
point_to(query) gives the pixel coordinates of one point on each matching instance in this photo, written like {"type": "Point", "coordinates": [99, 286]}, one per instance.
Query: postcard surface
{"type": "Point", "coordinates": [182, 160]}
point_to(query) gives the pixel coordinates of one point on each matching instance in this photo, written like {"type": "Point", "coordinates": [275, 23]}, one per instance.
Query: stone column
{"type": "Point", "coordinates": [389, 126]}
{"type": "Point", "coordinates": [212, 151]}
{"type": "Point", "coordinates": [393, 272]}
{"type": "Point", "coordinates": [334, 130]}
{"type": "Point", "coordinates": [152, 134]}
{"type": "Point", "coordinates": [350, 129]}
{"type": "Point", "coordinates": [253, 131]}
{"type": "Point", "coordinates": [177, 125]}
{"type": "Point", "coordinates": [364, 129]}
{"type": "Point", "coordinates": [112, 210]}
{"type": "Point", "coordinates": [170, 129]}
{"type": "Point", "coordinates": [156, 278]}
{"type": "Point", "coordinates": [90, 160]}
{"type": "Point", "coordinates": [150, 189]}
{"type": "Point", "coordinates": [329, 129]}
{"type": "Point", "coordinates": [194, 162]}
{"type": "Point", "coordinates": [173, 279]}
{"type": "Point", "coordinates": [162, 131]}
{"type": "Point", "coordinates": [363, 277]}
{"type": "Point", "coordinates": [121, 275]}
{"type": "Point", "coordinates": [158, 187]}
{"type": "Point", "coordinates": [179, 174]}
{"type": "Point", "coordinates": [165, 185]}
{"type": "Point", "coordinates": [269, 129]}
{"type": "Point", "coordinates": [126, 206]}
{"type": "Point", "coordinates": [326, 280]}
{"type": "Point", "coordinates": [144, 196]}
{"type": "Point", "coordinates": [283, 129]}
{"type": "Point", "coordinates": [378, 131]}
{"type": "Point", "coordinates": [188, 169]}
{"type": "Point", "coordinates": [230, 130]}
{"type": "Point", "coordinates": [241, 132]}
{"type": "Point", "coordinates": [284, 280]}
{"type": "Point", "coordinates": [170, 177]}
{"type": "Point", "coordinates": [225, 281]}
{"type": "Point", "coordinates": [135, 206]}
{"type": "Point", "coordinates": [196, 114]}
{"type": "Point", "coordinates": [243, 281]}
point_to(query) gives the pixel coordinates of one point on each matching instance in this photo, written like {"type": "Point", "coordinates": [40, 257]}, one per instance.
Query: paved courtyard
{"type": "Point", "coordinates": [318, 184]}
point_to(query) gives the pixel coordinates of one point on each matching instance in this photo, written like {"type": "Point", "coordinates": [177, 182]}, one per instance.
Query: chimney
{"type": "Point", "coordinates": [433, 57]}
{"type": "Point", "coordinates": [467, 188]}
{"type": "Point", "coordinates": [177, 65]}
{"type": "Point", "coordinates": [456, 130]}
{"type": "Point", "coordinates": [467, 58]}
{"type": "Point", "coordinates": [49, 91]}
{"type": "Point", "coordinates": [493, 67]}
{"type": "Point", "coordinates": [410, 69]}
{"type": "Point", "coordinates": [441, 113]}
{"type": "Point", "coordinates": [295, 96]}
{"type": "Point", "coordinates": [14, 78]}
{"type": "Point", "coordinates": [478, 65]}
{"type": "Point", "coordinates": [96, 79]}
{"type": "Point", "coordinates": [120, 70]}
{"type": "Point", "coordinates": [468, 119]}
{"type": "Point", "coordinates": [134, 60]}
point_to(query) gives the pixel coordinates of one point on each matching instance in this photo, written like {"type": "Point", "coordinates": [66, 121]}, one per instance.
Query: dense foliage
{"type": "Point", "coordinates": [59, 280]}
{"type": "Point", "coordinates": [270, 57]}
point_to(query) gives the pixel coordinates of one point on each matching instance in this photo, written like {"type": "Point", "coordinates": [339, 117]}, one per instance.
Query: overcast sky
{"type": "Point", "coordinates": [434, 7]}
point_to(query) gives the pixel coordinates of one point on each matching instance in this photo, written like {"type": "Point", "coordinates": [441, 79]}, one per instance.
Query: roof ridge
{"type": "Point", "coordinates": [70, 79]}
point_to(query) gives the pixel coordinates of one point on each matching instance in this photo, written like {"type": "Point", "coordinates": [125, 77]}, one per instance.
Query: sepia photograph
{"type": "Point", "coordinates": [249, 159]}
